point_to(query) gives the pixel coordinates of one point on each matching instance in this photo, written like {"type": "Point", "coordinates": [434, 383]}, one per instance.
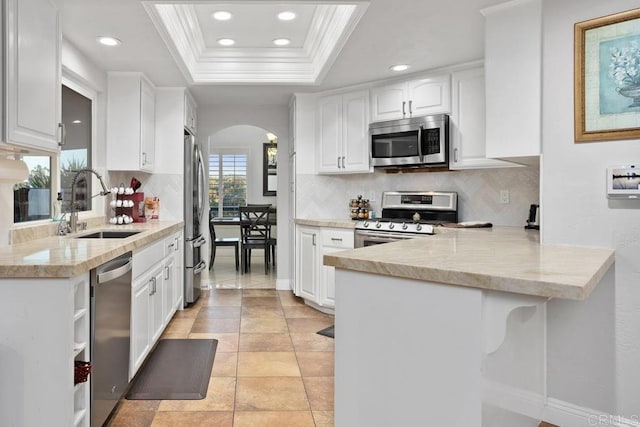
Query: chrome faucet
{"type": "Point", "coordinates": [63, 226]}
{"type": "Point", "coordinates": [73, 216]}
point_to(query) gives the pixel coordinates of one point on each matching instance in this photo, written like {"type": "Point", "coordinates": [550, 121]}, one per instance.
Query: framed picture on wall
{"type": "Point", "coordinates": [269, 169]}
{"type": "Point", "coordinates": [607, 77]}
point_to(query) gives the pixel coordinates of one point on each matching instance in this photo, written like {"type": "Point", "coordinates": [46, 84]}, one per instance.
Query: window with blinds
{"type": "Point", "coordinates": [227, 183]}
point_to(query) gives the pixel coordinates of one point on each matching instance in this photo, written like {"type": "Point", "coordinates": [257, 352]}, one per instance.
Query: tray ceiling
{"type": "Point", "coordinates": [317, 35]}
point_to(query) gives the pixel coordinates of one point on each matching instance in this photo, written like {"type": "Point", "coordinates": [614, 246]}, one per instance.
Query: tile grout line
{"type": "Point", "coordinates": [304, 385]}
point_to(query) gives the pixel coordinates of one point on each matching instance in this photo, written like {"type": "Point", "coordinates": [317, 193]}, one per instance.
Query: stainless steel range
{"type": "Point", "coordinates": [407, 214]}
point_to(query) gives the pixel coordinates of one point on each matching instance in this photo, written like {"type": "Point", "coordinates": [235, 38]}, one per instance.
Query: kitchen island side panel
{"type": "Point", "coordinates": [407, 352]}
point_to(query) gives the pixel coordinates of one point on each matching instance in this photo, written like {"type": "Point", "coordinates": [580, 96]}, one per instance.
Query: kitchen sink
{"type": "Point", "coordinates": [108, 234]}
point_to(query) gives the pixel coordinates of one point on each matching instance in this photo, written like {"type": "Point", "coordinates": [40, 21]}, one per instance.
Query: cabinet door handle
{"type": "Point", "coordinates": [403, 112]}
{"type": "Point", "coordinates": [336, 239]}
{"type": "Point", "coordinates": [144, 158]}
{"type": "Point", "coordinates": [151, 287]}
{"type": "Point", "coordinates": [338, 162]}
{"type": "Point", "coordinates": [166, 272]}
{"type": "Point", "coordinates": [410, 110]}
{"type": "Point", "coordinates": [313, 239]}
{"type": "Point", "coordinates": [175, 248]}
{"type": "Point", "coordinates": [343, 166]}
{"type": "Point", "coordinates": [63, 134]}
{"type": "Point", "coordinates": [455, 154]}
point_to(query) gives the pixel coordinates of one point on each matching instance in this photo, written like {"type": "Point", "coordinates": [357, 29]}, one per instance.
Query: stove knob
{"type": "Point", "coordinates": [391, 226]}
{"type": "Point", "coordinates": [418, 227]}
{"type": "Point", "coordinates": [378, 225]}
{"type": "Point", "coordinates": [404, 226]}
{"type": "Point", "coordinates": [366, 224]}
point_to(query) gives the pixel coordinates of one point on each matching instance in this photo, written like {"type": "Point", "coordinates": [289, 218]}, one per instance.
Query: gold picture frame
{"type": "Point", "coordinates": [607, 77]}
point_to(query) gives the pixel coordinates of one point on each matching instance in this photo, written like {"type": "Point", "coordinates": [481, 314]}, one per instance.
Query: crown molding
{"type": "Point", "coordinates": [331, 26]}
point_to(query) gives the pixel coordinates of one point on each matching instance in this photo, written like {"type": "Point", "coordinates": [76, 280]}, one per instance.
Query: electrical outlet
{"type": "Point", "coordinates": [504, 197]}
{"type": "Point", "coordinates": [372, 196]}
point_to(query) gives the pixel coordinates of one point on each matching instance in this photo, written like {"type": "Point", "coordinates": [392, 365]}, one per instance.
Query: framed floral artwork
{"type": "Point", "coordinates": [607, 77]}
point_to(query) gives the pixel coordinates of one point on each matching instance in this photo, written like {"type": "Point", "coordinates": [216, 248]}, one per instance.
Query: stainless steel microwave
{"type": "Point", "coordinates": [417, 141]}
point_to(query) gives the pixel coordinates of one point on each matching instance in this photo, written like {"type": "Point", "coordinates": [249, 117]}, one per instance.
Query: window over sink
{"type": "Point", "coordinates": [49, 175]}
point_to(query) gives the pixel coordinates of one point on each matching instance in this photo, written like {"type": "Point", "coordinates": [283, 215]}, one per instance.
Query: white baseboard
{"type": "Point", "coordinates": [567, 414]}
{"type": "Point", "coordinates": [284, 285]}
{"type": "Point", "coordinates": [513, 399]}
{"type": "Point", "coordinates": [555, 411]}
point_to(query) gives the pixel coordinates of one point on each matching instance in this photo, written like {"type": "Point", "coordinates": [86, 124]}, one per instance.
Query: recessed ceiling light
{"type": "Point", "coordinates": [222, 15]}
{"type": "Point", "coordinates": [108, 41]}
{"type": "Point", "coordinates": [281, 42]}
{"type": "Point", "coordinates": [226, 42]}
{"type": "Point", "coordinates": [286, 16]}
{"type": "Point", "coordinates": [399, 67]}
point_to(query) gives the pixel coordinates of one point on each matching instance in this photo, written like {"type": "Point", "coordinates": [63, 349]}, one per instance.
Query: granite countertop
{"type": "Point", "coordinates": [500, 258]}
{"type": "Point", "coordinates": [335, 223]}
{"type": "Point", "coordinates": [66, 256]}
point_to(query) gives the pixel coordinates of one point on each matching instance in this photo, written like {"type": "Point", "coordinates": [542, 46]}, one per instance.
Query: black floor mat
{"type": "Point", "coordinates": [328, 332]}
{"type": "Point", "coordinates": [177, 369]}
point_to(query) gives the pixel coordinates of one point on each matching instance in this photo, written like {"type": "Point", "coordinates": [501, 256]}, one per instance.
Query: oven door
{"type": "Point", "coordinates": [363, 238]}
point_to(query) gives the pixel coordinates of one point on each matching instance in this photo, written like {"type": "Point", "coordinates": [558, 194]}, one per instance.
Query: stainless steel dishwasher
{"type": "Point", "coordinates": [110, 335]}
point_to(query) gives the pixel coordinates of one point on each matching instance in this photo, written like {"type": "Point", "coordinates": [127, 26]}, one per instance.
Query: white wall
{"type": "Point", "coordinates": [594, 353]}
{"type": "Point", "coordinates": [275, 119]}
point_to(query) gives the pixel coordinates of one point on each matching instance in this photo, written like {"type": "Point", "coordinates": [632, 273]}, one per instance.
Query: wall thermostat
{"type": "Point", "coordinates": [623, 182]}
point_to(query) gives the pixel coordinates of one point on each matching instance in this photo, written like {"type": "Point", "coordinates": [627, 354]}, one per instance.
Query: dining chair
{"type": "Point", "coordinates": [222, 241]}
{"type": "Point", "coordinates": [255, 232]}
{"type": "Point", "coordinates": [272, 241]}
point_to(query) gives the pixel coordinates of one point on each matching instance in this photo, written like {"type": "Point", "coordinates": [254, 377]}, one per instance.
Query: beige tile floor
{"type": "Point", "coordinates": [271, 369]}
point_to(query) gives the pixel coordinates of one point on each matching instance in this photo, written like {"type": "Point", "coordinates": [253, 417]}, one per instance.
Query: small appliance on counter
{"type": "Point", "coordinates": [533, 223]}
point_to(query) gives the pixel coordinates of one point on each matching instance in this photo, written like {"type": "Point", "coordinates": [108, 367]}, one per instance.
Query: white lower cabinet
{"type": "Point", "coordinates": [168, 280]}
{"type": "Point", "coordinates": [178, 281]}
{"type": "Point", "coordinates": [307, 263]}
{"type": "Point", "coordinates": [140, 317]}
{"type": "Point", "coordinates": [44, 328]}
{"type": "Point", "coordinates": [156, 304]}
{"type": "Point", "coordinates": [155, 295]}
{"type": "Point", "coordinates": [315, 282]}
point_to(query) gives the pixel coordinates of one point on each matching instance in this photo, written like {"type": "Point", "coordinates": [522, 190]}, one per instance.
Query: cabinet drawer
{"type": "Point", "coordinates": [337, 238]}
{"type": "Point", "coordinates": [170, 245]}
{"type": "Point", "coordinates": [148, 257]}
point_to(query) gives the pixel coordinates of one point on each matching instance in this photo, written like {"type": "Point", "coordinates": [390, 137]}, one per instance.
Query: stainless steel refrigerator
{"type": "Point", "coordinates": [195, 195]}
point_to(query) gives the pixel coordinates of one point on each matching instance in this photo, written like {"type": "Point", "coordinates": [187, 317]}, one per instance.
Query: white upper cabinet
{"type": "Point", "coordinates": [190, 113]}
{"type": "Point", "coordinates": [412, 98]}
{"type": "Point", "coordinates": [343, 133]}
{"type": "Point", "coordinates": [513, 66]}
{"type": "Point", "coordinates": [32, 68]}
{"type": "Point", "coordinates": [389, 102]}
{"type": "Point", "coordinates": [130, 123]}
{"type": "Point", "coordinates": [467, 149]}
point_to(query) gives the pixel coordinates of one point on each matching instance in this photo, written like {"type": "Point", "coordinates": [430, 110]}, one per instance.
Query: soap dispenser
{"type": "Point", "coordinates": [57, 208]}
